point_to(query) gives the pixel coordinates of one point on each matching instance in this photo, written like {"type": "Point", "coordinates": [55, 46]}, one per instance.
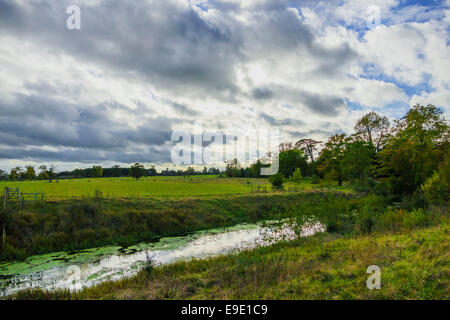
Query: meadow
{"type": "Point", "coordinates": [147, 187]}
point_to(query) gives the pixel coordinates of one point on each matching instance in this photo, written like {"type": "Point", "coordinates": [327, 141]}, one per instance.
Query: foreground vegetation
{"type": "Point", "coordinates": [414, 262]}
{"type": "Point", "coordinates": [92, 222]}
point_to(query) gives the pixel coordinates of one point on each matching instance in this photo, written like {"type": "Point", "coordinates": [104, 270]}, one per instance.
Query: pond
{"type": "Point", "coordinates": [75, 270]}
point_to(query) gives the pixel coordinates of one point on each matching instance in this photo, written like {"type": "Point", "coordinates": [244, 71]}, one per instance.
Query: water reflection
{"type": "Point", "coordinates": [76, 270]}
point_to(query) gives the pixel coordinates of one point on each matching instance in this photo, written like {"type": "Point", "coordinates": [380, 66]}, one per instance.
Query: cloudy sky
{"type": "Point", "coordinates": [113, 91]}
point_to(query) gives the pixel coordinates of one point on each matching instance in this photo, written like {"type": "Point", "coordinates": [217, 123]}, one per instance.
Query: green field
{"type": "Point", "coordinates": [164, 187]}
{"type": "Point", "coordinates": [147, 187]}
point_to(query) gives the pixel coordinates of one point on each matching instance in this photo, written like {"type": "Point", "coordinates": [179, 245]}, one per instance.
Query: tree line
{"type": "Point", "coordinates": [137, 171]}
{"type": "Point", "coordinates": [407, 157]}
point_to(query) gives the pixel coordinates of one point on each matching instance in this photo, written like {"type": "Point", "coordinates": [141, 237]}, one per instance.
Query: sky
{"type": "Point", "coordinates": [114, 90]}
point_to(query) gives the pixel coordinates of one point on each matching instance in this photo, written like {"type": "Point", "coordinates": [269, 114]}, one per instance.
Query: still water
{"type": "Point", "coordinates": [75, 270]}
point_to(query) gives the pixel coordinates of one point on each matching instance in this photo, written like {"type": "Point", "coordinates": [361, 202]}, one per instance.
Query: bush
{"type": "Point", "coordinates": [435, 189]}
{"type": "Point", "coordinates": [276, 180]}
{"type": "Point", "coordinates": [382, 189]}
{"type": "Point", "coordinates": [315, 179]}
{"type": "Point", "coordinates": [297, 176]}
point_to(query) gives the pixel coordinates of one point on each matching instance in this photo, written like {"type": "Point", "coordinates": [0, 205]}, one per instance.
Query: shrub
{"type": "Point", "coordinates": [435, 189]}
{"type": "Point", "coordinates": [297, 176]}
{"type": "Point", "coordinates": [276, 180]}
{"type": "Point", "coordinates": [315, 179]}
{"type": "Point", "coordinates": [382, 189]}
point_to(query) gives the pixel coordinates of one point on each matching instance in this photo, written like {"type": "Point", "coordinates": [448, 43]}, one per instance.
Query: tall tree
{"type": "Point", "coordinates": [290, 160]}
{"type": "Point", "coordinates": [29, 172]}
{"type": "Point", "coordinates": [137, 171]}
{"type": "Point", "coordinates": [51, 173]}
{"type": "Point", "coordinates": [309, 146]}
{"type": "Point", "coordinates": [373, 129]}
{"type": "Point", "coordinates": [331, 156]}
{"type": "Point", "coordinates": [97, 171]}
{"type": "Point", "coordinates": [116, 171]}
{"type": "Point", "coordinates": [420, 143]}
{"type": "Point", "coordinates": [356, 160]}
{"type": "Point", "coordinates": [151, 171]}
{"type": "Point", "coordinates": [233, 168]}
{"type": "Point", "coordinates": [43, 172]}
{"type": "Point", "coordinates": [15, 173]}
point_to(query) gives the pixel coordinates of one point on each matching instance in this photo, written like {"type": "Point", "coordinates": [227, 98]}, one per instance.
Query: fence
{"type": "Point", "coordinates": [14, 196]}
{"type": "Point", "coordinates": [258, 188]}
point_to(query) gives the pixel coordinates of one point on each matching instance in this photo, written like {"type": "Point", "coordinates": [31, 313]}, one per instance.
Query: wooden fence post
{"type": "Point", "coordinates": [5, 195]}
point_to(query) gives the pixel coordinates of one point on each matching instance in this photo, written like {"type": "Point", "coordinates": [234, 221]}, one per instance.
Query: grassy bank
{"type": "Point", "coordinates": [414, 262]}
{"type": "Point", "coordinates": [92, 222]}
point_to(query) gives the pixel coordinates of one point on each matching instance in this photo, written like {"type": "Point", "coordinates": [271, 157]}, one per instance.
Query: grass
{"type": "Point", "coordinates": [415, 264]}
{"type": "Point", "coordinates": [147, 187]}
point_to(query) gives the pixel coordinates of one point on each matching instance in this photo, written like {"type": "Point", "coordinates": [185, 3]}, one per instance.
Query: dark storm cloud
{"type": "Point", "coordinates": [334, 59]}
{"type": "Point", "coordinates": [155, 155]}
{"type": "Point", "coordinates": [262, 93]}
{"type": "Point", "coordinates": [280, 122]}
{"type": "Point", "coordinates": [39, 121]}
{"type": "Point", "coordinates": [325, 105]}
{"type": "Point", "coordinates": [183, 109]}
{"type": "Point", "coordinates": [318, 103]}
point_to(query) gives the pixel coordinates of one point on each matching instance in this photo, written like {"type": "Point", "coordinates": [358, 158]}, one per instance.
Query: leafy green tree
{"type": "Point", "coordinates": [151, 171]}
{"type": "Point", "coordinates": [15, 173]}
{"type": "Point", "coordinates": [290, 160]}
{"type": "Point", "coordinates": [309, 146]}
{"type": "Point", "coordinates": [116, 171]}
{"type": "Point", "coordinates": [331, 156]}
{"type": "Point", "coordinates": [137, 171]}
{"type": "Point", "coordinates": [255, 169]}
{"type": "Point", "coordinates": [233, 168]}
{"type": "Point", "coordinates": [297, 176]}
{"type": "Point", "coordinates": [51, 173]}
{"type": "Point", "coordinates": [435, 189]}
{"type": "Point", "coordinates": [29, 172]}
{"type": "Point", "coordinates": [419, 144]}
{"type": "Point", "coordinates": [43, 173]}
{"type": "Point", "coordinates": [373, 129]}
{"type": "Point", "coordinates": [97, 171]}
{"type": "Point", "coordinates": [190, 171]}
{"type": "Point", "coordinates": [356, 161]}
